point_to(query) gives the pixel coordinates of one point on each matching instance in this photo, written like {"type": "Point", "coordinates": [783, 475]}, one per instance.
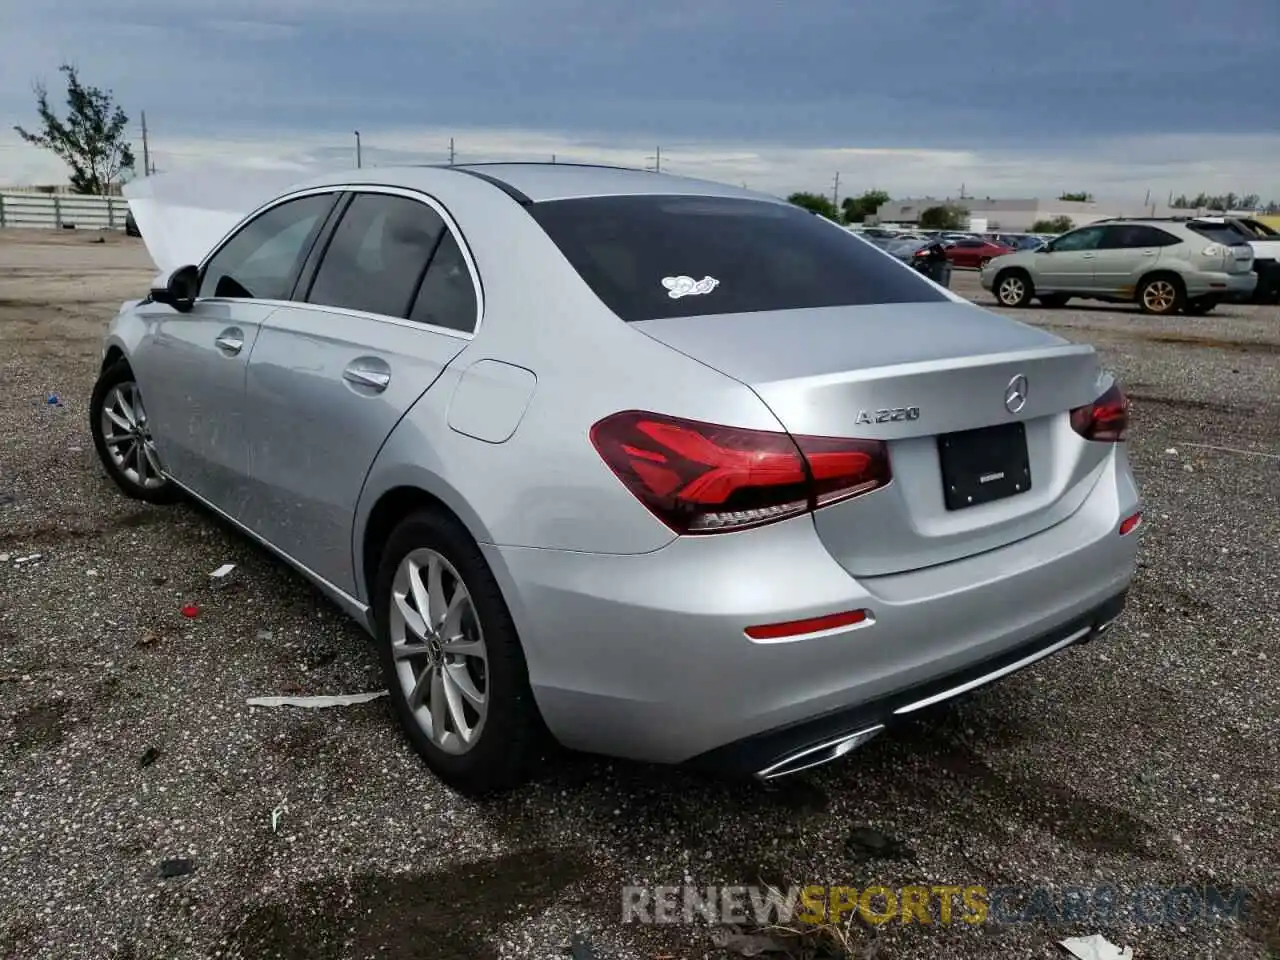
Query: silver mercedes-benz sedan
{"type": "Point", "coordinates": [674, 471]}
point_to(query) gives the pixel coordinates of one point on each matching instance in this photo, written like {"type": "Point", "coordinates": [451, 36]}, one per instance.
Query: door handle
{"type": "Point", "coordinates": [375, 380]}
{"type": "Point", "coordinates": [1089, 256]}
{"type": "Point", "coordinates": [1148, 253]}
{"type": "Point", "coordinates": [230, 341]}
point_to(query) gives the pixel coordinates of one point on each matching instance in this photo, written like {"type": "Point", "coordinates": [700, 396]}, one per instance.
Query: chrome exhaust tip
{"type": "Point", "coordinates": [816, 756]}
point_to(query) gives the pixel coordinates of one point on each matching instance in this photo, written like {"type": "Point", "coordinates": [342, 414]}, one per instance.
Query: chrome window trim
{"type": "Point", "coordinates": [357, 188]}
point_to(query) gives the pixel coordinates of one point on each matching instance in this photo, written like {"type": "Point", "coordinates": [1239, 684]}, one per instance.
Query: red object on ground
{"type": "Point", "coordinates": [190, 611]}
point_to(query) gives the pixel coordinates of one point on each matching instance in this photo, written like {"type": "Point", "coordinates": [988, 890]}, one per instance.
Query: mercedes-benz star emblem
{"type": "Point", "coordinates": [1015, 394]}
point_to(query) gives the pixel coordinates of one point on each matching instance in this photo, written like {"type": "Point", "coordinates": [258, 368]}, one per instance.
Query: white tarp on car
{"type": "Point", "coordinates": [183, 215]}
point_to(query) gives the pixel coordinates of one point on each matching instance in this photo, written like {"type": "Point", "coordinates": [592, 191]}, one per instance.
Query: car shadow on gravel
{"type": "Point", "coordinates": [434, 915]}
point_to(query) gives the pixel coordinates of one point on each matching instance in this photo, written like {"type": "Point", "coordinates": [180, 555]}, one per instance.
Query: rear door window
{"type": "Point", "coordinates": [378, 255]}
{"type": "Point", "coordinates": [1129, 236]}
{"type": "Point", "coordinates": [650, 257]}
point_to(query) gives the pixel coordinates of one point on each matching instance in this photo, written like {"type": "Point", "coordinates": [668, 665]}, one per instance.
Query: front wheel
{"type": "Point", "coordinates": [1014, 289]}
{"type": "Point", "coordinates": [122, 437]}
{"type": "Point", "coordinates": [453, 663]}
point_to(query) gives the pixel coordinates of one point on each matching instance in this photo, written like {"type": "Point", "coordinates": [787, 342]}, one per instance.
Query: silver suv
{"type": "Point", "coordinates": [1164, 266]}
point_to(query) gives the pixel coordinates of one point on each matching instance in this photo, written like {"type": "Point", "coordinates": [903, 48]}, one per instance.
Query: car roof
{"type": "Point", "coordinates": [541, 182]}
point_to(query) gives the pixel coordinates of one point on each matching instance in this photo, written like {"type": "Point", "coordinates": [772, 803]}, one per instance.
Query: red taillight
{"type": "Point", "coordinates": [1106, 419]}
{"type": "Point", "coordinates": [704, 478]}
{"type": "Point", "coordinates": [1130, 524]}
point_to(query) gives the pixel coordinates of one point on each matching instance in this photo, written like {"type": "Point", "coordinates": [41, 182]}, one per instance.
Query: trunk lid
{"type": "Point", "coordinates": [849, 371]}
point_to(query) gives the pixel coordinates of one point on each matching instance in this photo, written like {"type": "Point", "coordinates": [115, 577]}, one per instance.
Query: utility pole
{"type": "Point", "coordinates": [146, 148]}
{"type": "Point", "coordinates": [553, 158]}
{"type": "Point", "coordinates": [835, 192]}
{"type": "Point", "coordinates": [451, 154]}
{"type": "Point", "coordinates": [657, 160]}
{"type": "Point", "coordinates": [358, 164]}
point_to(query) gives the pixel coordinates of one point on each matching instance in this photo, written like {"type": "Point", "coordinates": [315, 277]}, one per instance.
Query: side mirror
{"type": "Point", "coordinates": [178, 289]}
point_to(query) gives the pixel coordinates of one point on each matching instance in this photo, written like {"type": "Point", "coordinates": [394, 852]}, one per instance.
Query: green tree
{"type": "Point", "coordinates": [944, 217]}
{"type": "Point", "coordinates": [857, 209]}
{"type": "Point", "coordinates": [1080, 197]}
{"type": "Point", "coordinates": [816, 203]}
{"type": "Point", "coordinates": [1059, 224]}
{"type": "Point", "coordinates": [91, 140]}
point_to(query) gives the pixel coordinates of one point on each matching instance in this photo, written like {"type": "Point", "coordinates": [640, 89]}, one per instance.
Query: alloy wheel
{"type": "Point", "coordinates": [127, 436]}
{"type": "Point", "coordinates": [1012, 290]}
{"type": "Point", "coordinates": [439, 652]}
{"type": "Point", "coordinates": [1159, 296]}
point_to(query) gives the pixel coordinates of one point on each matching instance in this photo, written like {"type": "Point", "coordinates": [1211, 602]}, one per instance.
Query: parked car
{"type": "Point", "coordinates": [1265, 243]}
{"type": "Point", "coordinates": [975, 253]}
{"type": "Point", "coordinates": [1164, 267]}
{"type": "Point", "coordinates": [682, 472]}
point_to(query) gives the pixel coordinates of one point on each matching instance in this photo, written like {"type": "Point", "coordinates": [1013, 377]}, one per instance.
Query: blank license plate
{"type": "Point", "coordinates": [979, 466]}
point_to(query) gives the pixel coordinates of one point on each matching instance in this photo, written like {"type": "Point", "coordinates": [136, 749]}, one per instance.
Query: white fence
{"type": "Point", "coordinates": [62, 211]}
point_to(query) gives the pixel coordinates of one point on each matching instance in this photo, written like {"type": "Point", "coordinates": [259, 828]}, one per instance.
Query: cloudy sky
{"type": "Point", "coordinates": [1007, 97]}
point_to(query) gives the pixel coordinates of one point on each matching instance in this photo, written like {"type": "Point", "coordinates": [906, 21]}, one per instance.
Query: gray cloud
{"type": "Point", "coordinates": [1057, 77]}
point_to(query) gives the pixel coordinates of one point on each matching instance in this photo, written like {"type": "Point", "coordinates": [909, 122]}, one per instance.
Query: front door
{"type": "Point", "coordinates": [191, 366]}
{"type": "Point", "coordinates": [1067, 263]}
{"type": "Point", "coordinates": [393, 301]}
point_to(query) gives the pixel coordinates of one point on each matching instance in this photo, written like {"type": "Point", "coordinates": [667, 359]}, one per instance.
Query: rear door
{"type": "Point", "coordinates": [392, 299]}
{"type": "Point", "coordinates": [1126, 252]}
{"type": "Point", "coordinates": [1067, 263]}
{"type": "Point", "coordinates": [192, 365]}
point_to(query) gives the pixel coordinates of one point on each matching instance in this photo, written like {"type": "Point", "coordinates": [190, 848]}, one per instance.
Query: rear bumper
{"type": "Point", "coordinates": [645, 656]}
{"type": "Point", "coordinates": [806, 744]}
{"type": "Point", "coordinates": [1229, 287]}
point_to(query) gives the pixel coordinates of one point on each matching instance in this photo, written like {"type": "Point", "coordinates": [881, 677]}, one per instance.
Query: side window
{"type": "Point", "coordinates": [1155, 237]}
{"type": "Point", "coordinates": [1085, 239]}
{"type": "Point", "coordinates": [448, 296]}
{"type": "Point", "coordinates": [262, 260]}
{"type": "Point", "coordinates": [377, 255]}
{"type": "Point", "coordinates": [1120, 238]}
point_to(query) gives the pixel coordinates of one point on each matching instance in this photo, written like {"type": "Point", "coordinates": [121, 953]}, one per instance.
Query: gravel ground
{"type": "Point", "coordinates": [1148, 759]}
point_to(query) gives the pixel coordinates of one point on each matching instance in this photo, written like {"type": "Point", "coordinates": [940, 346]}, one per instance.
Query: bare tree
{"type": "Point", "coordinates": [91, 140]}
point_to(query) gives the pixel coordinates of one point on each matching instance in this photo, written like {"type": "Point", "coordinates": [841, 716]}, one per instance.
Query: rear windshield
{"type": "Point", "coordinates": [1223, 233]}
{"type": "Point", "coordinates": [652, 257]}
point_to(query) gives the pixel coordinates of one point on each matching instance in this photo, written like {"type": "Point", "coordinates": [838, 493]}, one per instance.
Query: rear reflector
{"type": "Point", "coordinates": [798, 628]}
{"type": "Point", "coordinates": [1130, 524]}
{"type": "Point", "coordinates": [1106, 420]}
{"type": "Point", "coordinates": [700, 478]}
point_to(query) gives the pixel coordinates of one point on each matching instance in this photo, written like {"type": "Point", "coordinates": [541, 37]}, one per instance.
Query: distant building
{"type": "Point", "coordinates": [1017, 216]}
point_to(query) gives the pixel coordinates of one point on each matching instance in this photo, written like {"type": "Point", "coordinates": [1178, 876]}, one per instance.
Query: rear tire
{"type": "Point", "coordinates": [461, 692]}
{"type": "Point", "coordinates": [1161, 295]}
{"type": "Point", "coordinates": [1054, 300]}
{"type": "Point", "coordinates": [1013, 288]}
{"type": "Point", "coordinates": [122, 437]}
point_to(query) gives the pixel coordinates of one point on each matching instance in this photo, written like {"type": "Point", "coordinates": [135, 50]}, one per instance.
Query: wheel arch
{"type": "Point", "coordinates": [1160, 273]}
{"type": "Point", "coordinates": [383, 507]}
{"type": "Point", "coordinates": [112, 355]}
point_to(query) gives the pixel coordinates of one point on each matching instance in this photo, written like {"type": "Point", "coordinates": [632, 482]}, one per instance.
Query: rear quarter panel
{"type": "Point", "coordinates": [545, 486]}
